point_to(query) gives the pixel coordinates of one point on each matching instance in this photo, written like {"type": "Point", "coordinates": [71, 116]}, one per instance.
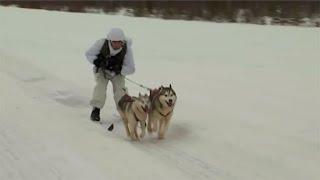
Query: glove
{"type": "Point", "coordinates": [117, 71]}
{"type": "Point", "coordinates": [99, 62]}
{"type": "Point", "coordinates": [113, 65]}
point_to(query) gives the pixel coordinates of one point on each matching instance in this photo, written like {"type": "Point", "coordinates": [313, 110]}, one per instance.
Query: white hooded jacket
{"type": "Point", "coordinates": [128, 66]}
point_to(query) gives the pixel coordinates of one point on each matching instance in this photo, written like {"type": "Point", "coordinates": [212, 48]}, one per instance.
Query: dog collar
{"type": "Point", "coordinates": [163, 114]}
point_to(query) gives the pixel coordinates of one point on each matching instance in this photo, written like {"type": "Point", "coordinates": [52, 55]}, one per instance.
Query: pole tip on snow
{"type": "Point", "coordinates": [110, 128]}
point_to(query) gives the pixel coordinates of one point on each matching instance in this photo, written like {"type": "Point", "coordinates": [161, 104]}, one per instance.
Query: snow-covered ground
{"type": "Point", "coordinates": [248, 100]}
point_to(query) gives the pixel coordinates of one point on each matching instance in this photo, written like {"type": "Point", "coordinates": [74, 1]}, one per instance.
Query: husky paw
{"type": "Point", "coordinates": [141, 137]}
{"type": "Point", "coordinates": [161, 137]}
{"type": "Point", "coordinates": [149, 130]}
{"type": "Point", "coordinates": [134, 138]}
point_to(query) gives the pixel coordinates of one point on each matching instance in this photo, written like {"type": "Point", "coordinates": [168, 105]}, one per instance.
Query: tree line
{"type": "Point", "coordinates": [279, 12]}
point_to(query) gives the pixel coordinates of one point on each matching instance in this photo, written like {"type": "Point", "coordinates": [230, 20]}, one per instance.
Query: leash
{"type": "Point", "coordinates": [108, 76]}
{"type": "Point", "coordinates": [140, 85]}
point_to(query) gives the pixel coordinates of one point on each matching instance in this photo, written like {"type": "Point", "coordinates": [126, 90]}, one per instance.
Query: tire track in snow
{"type": "Point", "coordinates": [189, 164]}
{"type": "Point", "coordinates": [192, 165]}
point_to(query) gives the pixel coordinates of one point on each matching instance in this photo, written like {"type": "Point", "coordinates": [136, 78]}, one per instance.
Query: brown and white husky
{"type": "Point", "coordinates": [134, 111]}
{"type": "Point", "coordinates": [162, 103]}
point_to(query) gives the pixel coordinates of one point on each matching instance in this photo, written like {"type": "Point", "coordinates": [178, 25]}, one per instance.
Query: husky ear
{"type": "Point", "coordinates": [125, 90]}
{"type": "Point", "coordinates": [139, 94]}
{"type": "Point", "coordinates": [170, 86]}
{"type": "Point", "coordinates": [161, 87]}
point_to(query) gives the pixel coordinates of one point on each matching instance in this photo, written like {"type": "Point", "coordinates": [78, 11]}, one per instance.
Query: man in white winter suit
{"type": "Point", "coordinates": [113, 60]}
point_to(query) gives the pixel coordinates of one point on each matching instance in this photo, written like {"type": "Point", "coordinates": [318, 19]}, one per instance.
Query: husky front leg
{"type": "Point", "coordinates": [143, 129]}
{"type": "Point", "coordinates": [167, 121]}
{"type": "Point", "coordinates": [125, 122]}
{"type": "Point", "coordinates": [152, 124]}
{"type": "Point", "coordinates": [136, 131]}
{"type": "Point", "coordinates": [164, 125]}
{"type": "Point", "coordinates": [162, 128]}
{"type": "Point", "coordinates": [132, 130]}
{"type": "Point", "coordinates": [150, 121]}
{"type": "Point", "coordinates": [156, 121]}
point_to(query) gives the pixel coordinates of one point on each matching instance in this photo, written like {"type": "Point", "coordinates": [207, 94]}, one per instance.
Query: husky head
{"type": "Point", "coordinates": [167, 96]}
{"type": "Point", "coordinates": [142, 103]}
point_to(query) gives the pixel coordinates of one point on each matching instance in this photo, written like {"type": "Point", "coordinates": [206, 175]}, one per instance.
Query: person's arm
{"type": "Point", "coordinates": [94, 50]}
{"type": "Point", "coordinates": [128, 66]}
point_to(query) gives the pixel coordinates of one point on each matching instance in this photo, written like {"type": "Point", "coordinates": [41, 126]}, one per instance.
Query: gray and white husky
{"type": "Point", "coordinates": [162, 103]}
{"type": "Point", "coordinates": [134, 111]}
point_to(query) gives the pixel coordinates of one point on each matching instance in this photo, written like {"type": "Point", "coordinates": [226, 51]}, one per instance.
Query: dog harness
{"type": "Point", "coordinates": [164, 115]}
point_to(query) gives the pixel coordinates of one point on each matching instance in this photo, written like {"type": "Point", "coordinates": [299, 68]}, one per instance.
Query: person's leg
{"type": "Point", "coordinates": [99, 95]}
{"type": "Point", "coordinates": [118, 84]}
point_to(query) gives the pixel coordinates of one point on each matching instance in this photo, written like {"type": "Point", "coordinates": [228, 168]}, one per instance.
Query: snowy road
{"type": "Point", "coordinates": [248, 100]}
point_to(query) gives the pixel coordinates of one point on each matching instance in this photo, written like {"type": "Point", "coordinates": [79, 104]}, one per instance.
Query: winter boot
{"type": "Point", "coordinates": [95, 114]}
